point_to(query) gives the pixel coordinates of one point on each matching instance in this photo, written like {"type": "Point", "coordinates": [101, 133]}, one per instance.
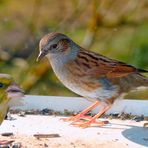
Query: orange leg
{"type": "Point", "coordinates": [81, 115]}
{"type": "Point", "coordinates": [93, 120]}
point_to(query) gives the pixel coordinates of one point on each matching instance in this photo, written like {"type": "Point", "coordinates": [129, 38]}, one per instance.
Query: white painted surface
{"type": "Point", "coordinates": [123, 134]}
{"type": "Point", "coordinates": [135, 107]}
{"type": "Point", "coordinates": [119, 134]}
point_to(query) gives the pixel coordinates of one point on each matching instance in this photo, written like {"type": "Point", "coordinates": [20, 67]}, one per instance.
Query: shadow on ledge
{"type": "Point", "coordinates": [137, 134]}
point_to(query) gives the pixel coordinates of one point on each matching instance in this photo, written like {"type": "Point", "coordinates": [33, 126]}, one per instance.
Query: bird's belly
{"type": "Point", "coordinates": [96, 94]}
{"type": "Point", "coordinates": [93, 90]}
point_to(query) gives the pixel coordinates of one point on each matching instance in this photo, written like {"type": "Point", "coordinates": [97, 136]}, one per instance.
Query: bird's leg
{"type": "Point", "coordinates": [93, 119]}
{"type": "Point", "coordinates": [81, 115]}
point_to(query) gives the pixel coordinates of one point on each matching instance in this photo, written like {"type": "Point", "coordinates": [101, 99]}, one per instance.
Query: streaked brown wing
{"type": "Point", "coordinates": [99, 66]}
{"type": "Point", "coordinates": [111, 71]}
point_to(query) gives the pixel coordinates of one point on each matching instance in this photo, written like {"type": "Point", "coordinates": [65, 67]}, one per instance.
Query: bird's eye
{"type": "Point", "coordinates": [54, 46]}
{"type": "Point", "coordinates": [1, 85]}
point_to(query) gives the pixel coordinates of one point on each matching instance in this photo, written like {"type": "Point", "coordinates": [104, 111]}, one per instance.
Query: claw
{"type": "Point", "coordinates": [79, 120]}
{"type": "Point", "coordinates": [76, 118]}
{"type": "Point", "coordinates": [90, 123]}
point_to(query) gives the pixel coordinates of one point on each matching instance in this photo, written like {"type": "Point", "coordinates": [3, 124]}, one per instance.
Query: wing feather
{"type": "Point", "coordinates": [96, 65]}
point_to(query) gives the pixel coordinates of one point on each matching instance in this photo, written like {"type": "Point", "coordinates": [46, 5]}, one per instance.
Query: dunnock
{"type": "Point", "coordinates": [91, 75]}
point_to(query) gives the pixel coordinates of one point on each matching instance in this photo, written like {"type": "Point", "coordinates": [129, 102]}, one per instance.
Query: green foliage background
{"type": "Point", "coordinates": [118, 29]}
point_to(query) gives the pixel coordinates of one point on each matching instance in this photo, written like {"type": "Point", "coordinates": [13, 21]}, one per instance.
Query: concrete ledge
{"type": "Point", "coordinates": [135, 107]}
{"type": "Point", "coordinates": [118, 134]}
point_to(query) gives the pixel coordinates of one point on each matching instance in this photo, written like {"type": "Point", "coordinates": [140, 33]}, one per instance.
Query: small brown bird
{"type": "Point", "coordinates": [91, 75]}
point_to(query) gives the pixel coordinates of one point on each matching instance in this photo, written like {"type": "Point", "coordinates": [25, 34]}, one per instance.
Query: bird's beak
{"type": "Point", "coordinates": [40, 56]}
{"type": "Point", "coordinates": [14, 91]}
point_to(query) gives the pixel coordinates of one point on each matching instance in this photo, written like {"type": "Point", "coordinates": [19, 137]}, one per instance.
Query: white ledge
{"type": "Point", "coordinates": [135, 107]}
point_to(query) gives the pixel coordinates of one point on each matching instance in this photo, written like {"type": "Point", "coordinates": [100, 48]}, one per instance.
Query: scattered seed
{"type": "Point", "coordinates": [38, 136]}
{"type": "Point", "coordinates": [7, 134]}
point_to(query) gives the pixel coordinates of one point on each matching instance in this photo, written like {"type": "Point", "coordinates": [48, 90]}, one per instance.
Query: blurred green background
{"type": "Point", "coordinates": [118, 29]}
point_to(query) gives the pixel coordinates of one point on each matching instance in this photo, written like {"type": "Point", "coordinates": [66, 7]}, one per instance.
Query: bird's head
{"type": "Point", "coordinates": [8, 88]}
{"type": "Point", "coordinates": [54, 44]}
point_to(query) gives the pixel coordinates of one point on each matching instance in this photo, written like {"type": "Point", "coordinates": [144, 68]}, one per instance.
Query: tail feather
{"type": "Point", "coordinates": [131, 82]}
{"type": "Point", "coordinates": [141, 80]}
{"type": "Point", "coordinates": [142, 70]}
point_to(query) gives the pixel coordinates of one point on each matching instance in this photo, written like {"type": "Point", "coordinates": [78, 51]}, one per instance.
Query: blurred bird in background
{"type": "Point", "coordinates": [9, 91]}
{"type": "Point", "coordinates": [93, 76]}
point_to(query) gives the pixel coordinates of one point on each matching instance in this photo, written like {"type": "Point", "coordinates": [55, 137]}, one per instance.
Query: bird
{"type": "Point", "coordinates": [91, 75]}
{"type": "Point", "coordinates": [9, 92]}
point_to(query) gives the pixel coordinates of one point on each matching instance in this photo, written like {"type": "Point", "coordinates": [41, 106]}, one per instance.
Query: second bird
{"type": "Point", "coordinates": [10, 93]}
{"type": "Point", "coordinates": [93, 76]}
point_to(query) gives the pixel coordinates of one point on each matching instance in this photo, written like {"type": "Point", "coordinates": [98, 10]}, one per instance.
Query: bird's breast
{"type": "Point", "coordinates": [81, 84]}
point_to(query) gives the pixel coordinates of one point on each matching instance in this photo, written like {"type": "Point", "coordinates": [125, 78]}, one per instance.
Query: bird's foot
{"type": "Point", "coordinates": [86, 124]}
{"type": "Point", "coordinates": [82, 115]}
{"type": "Point", "coordinates": [76, 118]}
